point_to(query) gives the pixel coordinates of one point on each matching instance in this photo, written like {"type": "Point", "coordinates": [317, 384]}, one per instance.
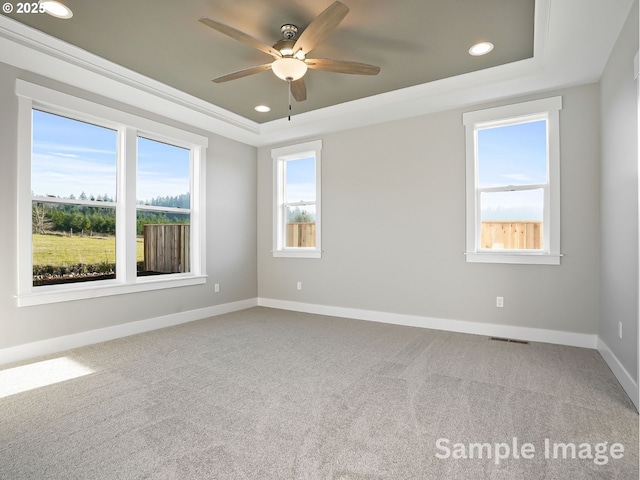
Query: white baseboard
{"type": "Point", "coordinates": [628, 383]}
{"type": "Point", "coordinates": [460, 326]}
{"type": "Point", "coordinates": [59, 344]}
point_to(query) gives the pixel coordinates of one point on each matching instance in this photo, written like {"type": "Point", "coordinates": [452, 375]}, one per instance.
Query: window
{"type": "Point", "coordinates": [115, 201]}
{"type": "Point", "coordinates": [513, 183]}
{"type": "Point", "coordinates": [163, 211]}
{"type": "Point", "coordinates": [296, 223]}
{"type": "Point", "coordinates": [73, 185]}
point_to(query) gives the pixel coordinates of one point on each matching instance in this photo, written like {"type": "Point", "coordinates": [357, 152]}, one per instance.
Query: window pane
{"type": "Point", "coordinates": [72, 159]}
{"type": "Point", "coordinates": [75, 160]}
{"type": "Point", "coordinates": [513, 154]}
{"type": "Point", "coordinates": [301, 226]}
{"type": "Point", "coordinates": [72, 243]}
{"type": "Point", "coordinates": [512, 220]}
{"type": "Point", "coordinates": [300, 180]}
{"type": "Point", "coordinates": [163, 243]}
{"type": "Point", "coordinates": [164, 173]}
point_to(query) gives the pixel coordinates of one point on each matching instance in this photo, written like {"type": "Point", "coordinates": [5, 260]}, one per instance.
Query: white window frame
{"type": "Point", "coordinates": [129, 127]}
{"type": "Point", "coordinates": [545, 109]}
{"type": "Point", "coordinates": [280, 157]}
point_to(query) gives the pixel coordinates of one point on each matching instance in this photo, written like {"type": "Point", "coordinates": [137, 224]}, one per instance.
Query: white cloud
{"type": "Point", "coordinates": [52, 175]}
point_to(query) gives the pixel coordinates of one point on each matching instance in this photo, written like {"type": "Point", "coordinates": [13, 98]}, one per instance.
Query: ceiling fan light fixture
{"type": "Point", "coordinates": [56, 9]}
{"type": "Point", "coordinates": [289, 69]}
{"type": "Point", "coordinates": [481, 48]}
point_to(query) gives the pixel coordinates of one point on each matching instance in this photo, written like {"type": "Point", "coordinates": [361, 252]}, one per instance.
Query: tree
{"type": "Point", "coordinates": [39, 216]}
{"type": "Point", "coordinates": [300, 216]}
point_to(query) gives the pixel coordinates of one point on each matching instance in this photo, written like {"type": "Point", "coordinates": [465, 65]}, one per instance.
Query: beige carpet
{"type": "Point", "coordinates": [269, 394]}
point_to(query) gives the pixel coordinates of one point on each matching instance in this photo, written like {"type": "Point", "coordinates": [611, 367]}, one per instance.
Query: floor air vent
{"type": "Point", "coordinates": [509, 340]}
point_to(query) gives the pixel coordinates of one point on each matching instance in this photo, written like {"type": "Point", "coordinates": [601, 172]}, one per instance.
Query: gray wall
{"type": "Point", "coordinates": [619, 192]}
{"type": "Point", "coordinates": [394, 227]}
{"type": "Point", "coordinates": [231, 234]}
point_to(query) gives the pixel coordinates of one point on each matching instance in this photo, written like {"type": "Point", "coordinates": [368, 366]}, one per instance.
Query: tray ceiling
{"type": "Point", "coordinates": [413, 41]}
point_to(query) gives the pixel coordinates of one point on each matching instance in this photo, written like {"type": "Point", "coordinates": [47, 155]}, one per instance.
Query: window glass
{"type": "Point", "coordinates": [301, 226]}
{"type": "Point", "coordinates": [163, 174]}
{"type": "Point", "coordinates": [163, 194]}
{"type": "Point", "coordinates": [519, 205]}
{"type": "Point", "coordinates": [73, 165]}
{"type": "Point", "coordinates": [300, 181]}
{"type": "Point", "coordinates": [300, 209]}
{"type": "Point", "coordinates": [512, 220]}
{"type": "Point", "coordinates": [512, 176]}
{"type": "Point", "coordinates": [72, 159]}
{"type": "Point", "coordinates": [513, 154]}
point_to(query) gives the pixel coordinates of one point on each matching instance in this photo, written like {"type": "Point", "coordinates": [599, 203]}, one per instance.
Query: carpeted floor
{"type": "Point", "coordinates": [270, 394]}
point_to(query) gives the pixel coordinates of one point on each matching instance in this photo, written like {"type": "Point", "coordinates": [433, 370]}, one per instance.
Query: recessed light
{"type": "Point", "coordinates": [262, 109]}
{"type": "Point", "coordinates": [481, 48]}
{"type": "Point", "coordinates": [56, 9]}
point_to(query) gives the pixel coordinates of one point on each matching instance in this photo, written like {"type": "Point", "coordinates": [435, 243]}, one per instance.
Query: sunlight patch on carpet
{"type": "Point", "coordinates": [40, 374]}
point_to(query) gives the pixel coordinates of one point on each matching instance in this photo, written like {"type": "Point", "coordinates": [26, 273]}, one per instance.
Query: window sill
{"type": "Point", "coordinates": [298, 253]}
{"type": "Point", "coordinates": [65, 293]}
{"type": "Point", "coordinates": [521, 258]}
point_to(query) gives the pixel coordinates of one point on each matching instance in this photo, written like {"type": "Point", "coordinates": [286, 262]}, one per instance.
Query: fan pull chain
{"type": "Point", "coordinates": [289, 82]}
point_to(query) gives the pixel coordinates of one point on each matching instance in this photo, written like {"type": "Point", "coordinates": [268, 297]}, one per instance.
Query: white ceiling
{"type": "Point", "coordinates": [572, 41]}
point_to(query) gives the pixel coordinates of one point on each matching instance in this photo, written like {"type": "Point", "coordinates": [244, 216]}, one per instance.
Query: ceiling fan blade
{"type": "Point", "coordinates": [241, 37]}
{"type": "Point", "coordinates": [242, 73]}
{"type": "Point", "coordinates": [342, 66]}
{"type": "Point", "coordinates": [320, 27]}
{"type": "Point", "coordinates": [299, 90]}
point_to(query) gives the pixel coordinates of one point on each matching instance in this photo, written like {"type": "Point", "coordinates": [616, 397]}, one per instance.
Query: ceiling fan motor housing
{"type": "Point", "coordinates": [289, 31]}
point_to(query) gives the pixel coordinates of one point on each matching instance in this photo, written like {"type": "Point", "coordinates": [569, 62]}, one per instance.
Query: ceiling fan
{"type": "Point", "coordinates": [290, 54]}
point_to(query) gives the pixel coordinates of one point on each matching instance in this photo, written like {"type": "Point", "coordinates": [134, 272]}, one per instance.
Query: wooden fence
{"type": "Point", "coordinates": [512, 235]}
{"type": "Point", "coordinates": [166, 248]}
{"type": "Point", "coordinates": [301, 234]}
{"type": "Point", "coordinates": [509, 235]}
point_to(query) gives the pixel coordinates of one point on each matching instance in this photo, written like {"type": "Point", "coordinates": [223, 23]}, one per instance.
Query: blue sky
{"type": "Point", "coordinates": [163, 170]}
{"type": "Point", "coordinates": [512, 155]}
{"type": "Point", "coordinates": [70, 157]}
{"type": "Point", "coordinates": [301, 180]}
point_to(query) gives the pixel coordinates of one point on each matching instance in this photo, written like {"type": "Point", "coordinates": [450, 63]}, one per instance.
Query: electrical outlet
{"type": "Point", "coordinates": [620, 329]}
{"type": "Point", "coordinates": [299, 285]}
{"type": "Point", "coordinates": [499, 302]}
{"type": "Point", "coordinates": [216, 288]}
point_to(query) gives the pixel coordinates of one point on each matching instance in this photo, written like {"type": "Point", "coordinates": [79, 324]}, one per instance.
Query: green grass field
{"type": "Point", "coordinates": [65, 250]}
